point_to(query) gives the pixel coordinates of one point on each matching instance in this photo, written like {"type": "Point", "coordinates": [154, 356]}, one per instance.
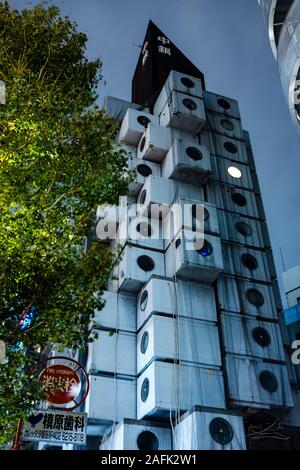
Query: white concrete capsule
{"type": "Point", "coordinates": [133, 126]}
{"type": "Point", "coordinates": [119, 312]}
{"type": "Point", "coordinates": [226, 125]}
{"type": "Point", "coordinates": [221, 104]}
{"type": "Point", "coordinates": [163, 388]}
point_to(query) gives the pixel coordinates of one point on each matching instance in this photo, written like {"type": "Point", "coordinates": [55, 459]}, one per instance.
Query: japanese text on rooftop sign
{"type": "Point", "coordinates": [56, 427]}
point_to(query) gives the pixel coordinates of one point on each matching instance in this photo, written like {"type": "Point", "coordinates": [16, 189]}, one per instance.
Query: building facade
{"type": "Point", "coordinates": [192, 350]}
{"type": "Point", "coordinates": [282, 18]}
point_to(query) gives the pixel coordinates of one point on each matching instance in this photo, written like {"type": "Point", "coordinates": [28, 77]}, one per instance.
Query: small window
{"type": "Point", "coordinates": [189, 104]}
{"type": "Point", "coordinates": [239, 199]}
{"type": "Point", "coordinates": [177, 243]}
{"type": "Point", "coordinates": [255, 297]}
{"type": "Point", "coordinates": [206, 249]}
{"type": "Point", "coordinates": [261, 337]}
{"type": "Point", "coordinates": [147, 440]}
{"type": "Point", "coordinates": [144, 342]}
{"type": "Point", "coordinates": [144, 229]}
{"type": "Point", "coordinates": [194, 153]}
{"type": "Point", "coordinates": [145, 263]}
{"type": "Point", "coordinates": [244, 229]}
{"type": "Point", "coordinates": [144, 170]}
{"type": "Point", "coordinates": [221, 431]}
{"type": "Point", "coordinates": [227, 125]}
{"type": "Point", "coordinates": [143, 120]}
{"type": "Point", "coordinates": [234, 172]}
{"type": "Point", "coordinates": [230, 147]}
{"type": "Point", "coordinates": [145, 390]}
{"type": "Point", "coordinates": [249, 261]}
{"type": "Point", "coordinates": [224, 104]}
{"type": "Point", "coordinates": [144, 300]}
{"type": "Point", "coordinates": [186, 81]}
{"type": "Point", "coordinates": [143, 196]}
{"type": "Point", "coordinates": [142, 144]}
{"type": "Point", "coordinates": [268, 381]}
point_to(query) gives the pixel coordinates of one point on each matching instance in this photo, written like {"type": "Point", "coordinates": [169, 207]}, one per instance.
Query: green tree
{"type": "Point", "coordinates": [58, 161]}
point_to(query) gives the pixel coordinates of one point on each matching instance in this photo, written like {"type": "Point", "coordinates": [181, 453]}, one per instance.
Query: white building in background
{"type": "Point", "coordinates": [282, 18]}
{"type": "Point", "coordinates": [199, 357]}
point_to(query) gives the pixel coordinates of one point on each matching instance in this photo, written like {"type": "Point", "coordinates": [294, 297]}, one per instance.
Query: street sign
{"type": "Point", "coordinates": [56, 427]}
{"type": "Point", "coordinates": [61, 384]}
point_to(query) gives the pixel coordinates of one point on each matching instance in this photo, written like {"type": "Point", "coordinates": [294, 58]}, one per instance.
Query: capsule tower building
{"type": "Point", "coordinates": [192, 352]}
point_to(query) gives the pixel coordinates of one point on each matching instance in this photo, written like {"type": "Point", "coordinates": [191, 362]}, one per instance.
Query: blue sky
{"type": "Point", "coordinates": [227, 40]}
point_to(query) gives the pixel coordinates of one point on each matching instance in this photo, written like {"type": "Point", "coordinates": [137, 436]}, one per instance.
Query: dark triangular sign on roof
{"type": "Point", "coordinates": [157, 58]}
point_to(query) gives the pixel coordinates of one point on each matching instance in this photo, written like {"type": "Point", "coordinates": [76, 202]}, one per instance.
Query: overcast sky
{"type": "Point", "coordinates": [227, 40]}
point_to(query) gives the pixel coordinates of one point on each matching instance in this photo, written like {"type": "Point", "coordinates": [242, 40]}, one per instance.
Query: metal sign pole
{"type": "Point", "coordinates": [16, 445]}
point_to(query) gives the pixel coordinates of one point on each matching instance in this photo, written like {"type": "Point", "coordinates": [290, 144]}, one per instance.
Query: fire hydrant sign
{"type": "Point", "coordinates": [56, 427]}
{"type": "Point", "coordinates": [60, 383]}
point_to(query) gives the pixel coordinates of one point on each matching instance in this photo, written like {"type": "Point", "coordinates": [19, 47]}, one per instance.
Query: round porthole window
{"type": "Point", "coordinates": [221, 431]}
{"type": "Point", "coordinates": [204, 212]}
{"type": "Point", "coordinates": [186, 81]}
{"type": "Point", "coordinates": [147, 440]}
{"type": "Point", "coordinates": [227, 125]}
{"type": "Point", "coordinates": [224, 103]}
{"type": "Point", "coordinates": [239, 199]}
{"type": "Point", "coordinates": [146, 263]}
{"type": "Point", "coordinates": [261, 336]}
{"type": "Point", "coordinates": [234, 172]}
{"type": "Point", "coordinates": [205, 250]}
{"type": "Point", "coordinates": [144, 342]}
{"type": "Point", "coordinates": [143, 120]}
{"type": "Point", "coordinates": [268, 381]}
{"type": "Point", "coordinates": [194, 153]}
{"type": "Point", "coordinates": [255, 297]}
{"type": "Point", "coordinates": [142, 144]}
{"type": "Point", "coordinates": [144, 170]}
{"type": "Point", "coordinates": [178, 243]}
{"type": "Point", "coordinates": [144, 300]}
{"type": "Point", "coordinates": [244, 229]}
{"type": "Point", "coordinates": [249, 261]}
{"type": "Point", "coordinates": [143, 195]}
{"type": "Point", "coordinates": [145, 390]}
{"type": "Point", "coordinates": [189, 104]}
{"type": "Point", "coordinates": [144, 229]}
{"type": "Point", "coordinates": [230, 147]}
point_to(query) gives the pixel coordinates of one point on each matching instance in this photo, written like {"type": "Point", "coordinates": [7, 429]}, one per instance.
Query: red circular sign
{"type": "Point", "coordinates": [60, 383]}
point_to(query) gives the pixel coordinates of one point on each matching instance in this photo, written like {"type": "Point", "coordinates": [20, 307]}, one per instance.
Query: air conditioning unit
{"type": "Point", "coordinates": [118, 313]}
{"type": "Point", "coordinates": [183, 112]}
{"type": "Point", "coordinates": [113, 352]}
{"type": "Point", "coordinates": [251, 337]}
{"type": "Point", "coordinates": [226, 125]}
{"type": "Point", "coordinates": [187, 162]}
{"type": "Point", "coordinates": [133, 126]}
{"type": "Point", "coordinates": [233, 199]}
{"type": "Point", "coordinates": [136, 267]}
{"type": "Point", "coordinates": [145, 232]}
{"type": "Point", "coordinates": [201, 430]}
{"type": "Point", "coordinates": [164, 388]}
{"type": "Point", "coordinates": [246, 262]}
{"type": "Point", "coordinates": [111, 399]}
{"type": "Point", "coordinates": [178, 82]}
{"type": "Point", "coordinates": [257, 384]}
{"type": "Point", "coordinates": [221, 104]}
{"type": "Point", "coordinates": [190, 214]}
{"type": "Point", "coordinates": [242, 296]}
{"type": "Point", "coordinates": [155, 143]}
{"type": "Point", "coordinates": [187, 299]}
{"type": "Point", "coordinates": [231, 173]}
{"type": "Point", "coordinates": [138, 435]}
{"type": "Point", "coordinates": [240, 229]}
{"type": "Point", "coordinates": [165, 338]}
{"type": "Point", "coordinates": [232, 149]}
{"type": "Point", "coordinates": [192, 257]}
{"type": "Point", "coordinates": [160, 192]}
{"type": "Point", "coordinates": [142, 171]}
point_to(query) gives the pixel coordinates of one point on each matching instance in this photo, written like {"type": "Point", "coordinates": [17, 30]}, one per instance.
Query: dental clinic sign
{"type": "Point", "coordinates": [52, 426]}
